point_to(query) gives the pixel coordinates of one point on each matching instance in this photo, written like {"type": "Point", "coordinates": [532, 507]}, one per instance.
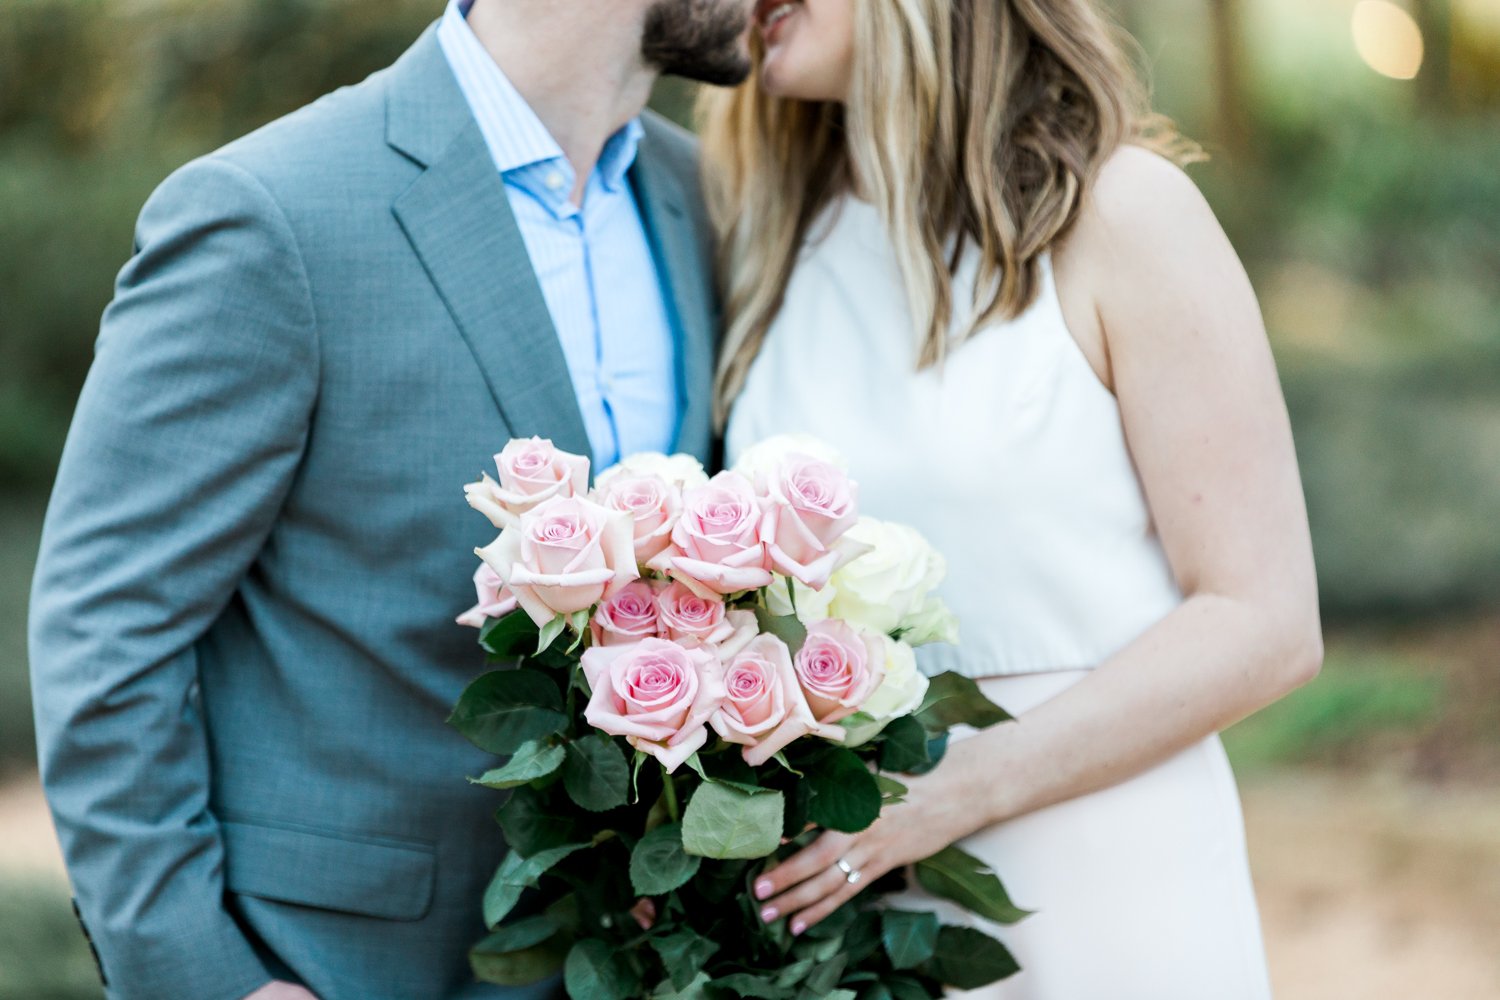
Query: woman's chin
{"type": "Point", "coordinates": [779, 78]}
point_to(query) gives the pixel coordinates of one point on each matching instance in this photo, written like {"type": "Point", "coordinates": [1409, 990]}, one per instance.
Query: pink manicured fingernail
{"type": "Point", "coordinates": [798, 927]}
{"type": "Point", "coordinates": [762, 889]}
{"type": "Point", "coordinates": [768, 914]}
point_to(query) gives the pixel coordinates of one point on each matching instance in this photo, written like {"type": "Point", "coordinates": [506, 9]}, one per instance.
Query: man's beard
{"type": "Point", "coordinates": [698, 39]}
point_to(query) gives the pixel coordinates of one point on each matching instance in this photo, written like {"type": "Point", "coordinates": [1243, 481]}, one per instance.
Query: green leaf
{"type": "Point", "coordinates": [594, 970]}
{"type": "Point", "coordinates": [741, 786]}
{"type": "Point", "coordinates": [836, 924]}
{"type": "Point", "coordinates": [565, 912]}
{"type": "Point", "coordinates": [784, 627]}
{"type": "Point", "coordinates": [695, 990]}
{"type": "Point", "coordinates": [953, 874]}
{"type": "Point", "coordinates": [863, 937]}
{"type": "Point", "coordinates": [521, 953]}
{"type": "Point", "coordinates": [968, 959]}
{"type": "Point", "coordinates": [659, 864]}
{"type": "Point", "coordinates": [845, 795]}
{"type": "Point", "coordinates": [953, 700]}
{"type": "Point", "coordinates": [696, 764]}
{"type": "Point", "coordinates": [684, 953]}
{"type": "Point", "coordinates": [532, 760]}
{"type": "Point", "coordinates": [891, 790]}
{"type": "Point", "coordinates": [513, 635]}
{"type": "Point", "coordinates": [748, 984]}
{"type": "Point", "coordinates": [597, 775]}
{"type": "Point", "coordinates": [904, 748]}
{"type": "Point", "coordinates": [780, 758]}
{"type": "Point", "coordinates": [549, 633]}
{"type": "Point", "coordinates": [909, 937]}
{"type": "Point", "coordinates": [578, 622]}
{"type": "Point", "coordinates": [794, 973]}
{"type": "Point", "coordinates": [824, 977]}
{"type": "Point", "coordinates": [516, 874]}
{"type": "Point", "coordinates": [504, 709]}
{"type": "Point", "coordinates": [635, 774]}
{"type": "Point", "coordinates": [904, 988]}
{"type": "Point", "coordinates": [723, 822]}
{"type": "Point", "coordinates": [819, 950]}
{"type": "Point", "coordinates": [531, 824]}
{"type": "Point", "coordinates": [721, 883]}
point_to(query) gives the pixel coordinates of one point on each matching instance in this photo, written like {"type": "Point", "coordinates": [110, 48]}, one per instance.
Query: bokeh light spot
{"type": "Point", "coordinates": [1387, 39]}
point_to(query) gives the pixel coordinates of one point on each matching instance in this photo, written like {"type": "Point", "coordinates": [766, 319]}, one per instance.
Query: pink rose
{"type": "Point", "coordinates": [838, 667]}
{"type": "Point", "coordinates": [653, 505]}
{"type": "Point", "coordinates": [495, 601]}
{"type": "Point", "coordinates": [628, 615]}
{"type": "Point", "coordinates": [764, 708]}
{"type": "Point", "coordinates": [685, 615]}
{"type": "Point", "coordinates": [744, 628]}
{"type": "Point", "coordinates": [659, 695]}
{"type": "Point", "coordinates": [563, 556]}
{"type": "Point", "coordinates": [531, 472]}
{"type": "Point", "coordinates": [812, 504]}
{"type": "Point", "coordinates": [716, 546]}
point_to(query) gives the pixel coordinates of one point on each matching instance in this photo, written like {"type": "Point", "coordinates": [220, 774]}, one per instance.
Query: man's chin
{"type": "Point", "coordinates": [727, 72]}
{"type": "Point", "coordinates": [702, 40]}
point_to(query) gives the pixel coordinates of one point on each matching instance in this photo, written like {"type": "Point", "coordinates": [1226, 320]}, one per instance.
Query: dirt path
{"type": "Point", "coordinates": [28, 845]}
{"type": "Point", "coordinates": [1369, 888]}
{"type": "Point", "coordinates": [1377, 889]}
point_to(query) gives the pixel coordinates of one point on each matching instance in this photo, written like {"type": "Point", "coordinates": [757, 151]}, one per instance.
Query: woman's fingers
{"type": "Point", "coordinates": [803, 895]}
{"type": "Point", "coordinates": [816, 857]}
{"type": "Point", "coordinates": [822, 908]}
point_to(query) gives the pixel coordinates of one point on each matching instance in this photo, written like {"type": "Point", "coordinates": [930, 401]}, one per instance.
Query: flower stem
{"type": "Point", "coordinates": [669, 789]}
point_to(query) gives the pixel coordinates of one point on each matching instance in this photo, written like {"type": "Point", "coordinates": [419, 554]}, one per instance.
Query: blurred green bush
{"type": "Point", "coordinates": [20, 524]}
{"type": "Point", "coordinates": [43, 954]}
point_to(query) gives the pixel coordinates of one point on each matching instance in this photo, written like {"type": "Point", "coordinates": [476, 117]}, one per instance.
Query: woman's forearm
{"type": "Point", "coordinates": [1211, 662]}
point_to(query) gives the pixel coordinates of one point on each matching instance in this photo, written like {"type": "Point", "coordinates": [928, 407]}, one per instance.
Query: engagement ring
{"type": "Point", "coordinates": [852, 875]}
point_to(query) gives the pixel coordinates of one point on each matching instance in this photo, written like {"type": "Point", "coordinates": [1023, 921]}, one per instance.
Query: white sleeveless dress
{"type": "Point", "coordinates": [1012, 460]}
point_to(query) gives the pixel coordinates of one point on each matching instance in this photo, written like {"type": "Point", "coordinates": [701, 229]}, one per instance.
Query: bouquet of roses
{"type": "Point", "coordinates": [710, 670]}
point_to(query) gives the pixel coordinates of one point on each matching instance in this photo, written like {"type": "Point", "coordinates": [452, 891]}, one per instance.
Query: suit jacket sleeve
{"type": "Point", "coordinates": [188, 433]}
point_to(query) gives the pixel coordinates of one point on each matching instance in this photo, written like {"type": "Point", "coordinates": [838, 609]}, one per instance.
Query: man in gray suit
{"type": "Point", "coordinates": [242, 637]}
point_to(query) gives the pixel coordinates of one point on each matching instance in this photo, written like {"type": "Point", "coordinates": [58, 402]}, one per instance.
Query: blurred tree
{"type": "Point", "coordinates": [1435, 81]}
{"type": "Point", "coordinates": [1234, 125]}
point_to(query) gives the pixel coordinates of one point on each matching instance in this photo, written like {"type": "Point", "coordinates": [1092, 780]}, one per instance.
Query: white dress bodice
{"type": "Point", "coordinates": [1010, 457]}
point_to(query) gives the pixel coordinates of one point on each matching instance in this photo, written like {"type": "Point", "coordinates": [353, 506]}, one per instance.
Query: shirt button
{"type": "Point", "coordinates": [555, 181]}
{"type": "Point", "coordinates": [607, 384]}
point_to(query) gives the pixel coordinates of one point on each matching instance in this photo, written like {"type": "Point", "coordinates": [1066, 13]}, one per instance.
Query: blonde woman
{"type": "Point", "coordinates": [958, 248]}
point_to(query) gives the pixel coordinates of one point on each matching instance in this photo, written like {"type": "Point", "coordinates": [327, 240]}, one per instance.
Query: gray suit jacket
{"type": "Point", "coordinates": [242, 637]}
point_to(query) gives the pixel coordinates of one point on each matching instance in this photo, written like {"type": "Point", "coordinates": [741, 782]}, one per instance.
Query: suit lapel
{"type": "Point", "coordinates": [685, 279]}
{"type": "Point", "coordinates": [458, 219]}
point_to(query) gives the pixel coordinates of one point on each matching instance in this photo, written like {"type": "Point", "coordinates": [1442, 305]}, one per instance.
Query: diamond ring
{"type": "Point", "coordinates": [852, 875]}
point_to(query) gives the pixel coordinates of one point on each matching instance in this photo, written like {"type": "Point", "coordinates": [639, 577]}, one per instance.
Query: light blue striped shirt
{"type": "Point", "coordinates": [594, 263]}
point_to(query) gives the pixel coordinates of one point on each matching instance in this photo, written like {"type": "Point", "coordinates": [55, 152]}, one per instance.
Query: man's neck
{"type": "Point", "coordinates": [578, 65]}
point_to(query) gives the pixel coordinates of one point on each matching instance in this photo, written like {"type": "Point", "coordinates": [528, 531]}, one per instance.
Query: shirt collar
{"type": "Point", "coordinates": [514, 134]}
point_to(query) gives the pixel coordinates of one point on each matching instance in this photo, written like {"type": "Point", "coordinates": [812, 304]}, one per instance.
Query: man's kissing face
{"type": "Point", "coordinates": [704, 40]}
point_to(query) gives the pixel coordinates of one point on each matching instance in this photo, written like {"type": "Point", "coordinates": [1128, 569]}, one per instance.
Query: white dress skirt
{"type": "Point", "coordinates": [1139, 892]}
{"type": "Point", "coordinates": [1012, 459]}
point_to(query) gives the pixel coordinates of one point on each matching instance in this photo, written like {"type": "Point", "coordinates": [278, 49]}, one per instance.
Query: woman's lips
{"type": "Point", "coordinates": [770, 15]}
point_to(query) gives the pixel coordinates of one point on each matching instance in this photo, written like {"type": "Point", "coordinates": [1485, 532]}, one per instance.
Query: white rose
{"type": "Point", "coordinates": [882, 588]}
{"type": "Point", "coordinates": [900, 693]}
{"type": "Point", "coordinates": [904, 687]}
{"type": "Point", "coordinates": [812, 605]}
{"type": "Point", "coordinates": [758, 461]}
{"type": "Point", "coordinates": [684, 471]}
{"type": "Point", "coordinates": [932, 622]}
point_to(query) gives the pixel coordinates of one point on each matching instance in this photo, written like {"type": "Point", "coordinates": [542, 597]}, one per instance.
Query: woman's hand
{"type": "Point", "coordinates": [809, 885]}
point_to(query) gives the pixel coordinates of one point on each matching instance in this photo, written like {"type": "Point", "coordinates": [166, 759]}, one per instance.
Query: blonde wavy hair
{"type": "Point", "coordinates": [968, 121]}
